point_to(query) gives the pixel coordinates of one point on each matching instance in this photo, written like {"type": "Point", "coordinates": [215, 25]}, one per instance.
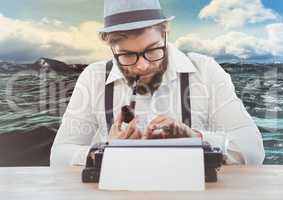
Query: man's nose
{"type": "Point", "coordinates": [142, 64]}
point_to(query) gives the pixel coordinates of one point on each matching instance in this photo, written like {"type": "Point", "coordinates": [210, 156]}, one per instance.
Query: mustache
{"type": "Point", "coordinates": [151, 71]}
{"type": "Point", "coordinates": [154, 83]}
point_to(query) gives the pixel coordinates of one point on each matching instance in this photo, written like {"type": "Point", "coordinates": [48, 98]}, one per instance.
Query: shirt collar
{"type": "Point", "coordinates": [178, 62]}
{"type": "Point", "coordinates": [115, 73]}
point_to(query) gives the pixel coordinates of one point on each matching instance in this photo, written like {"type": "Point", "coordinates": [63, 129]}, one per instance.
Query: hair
{"type": "Point", "coordinates": [115, 37]}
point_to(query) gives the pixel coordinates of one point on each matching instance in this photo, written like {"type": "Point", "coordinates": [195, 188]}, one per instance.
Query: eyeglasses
{"type": "Point", "coordinates": [151, 55]}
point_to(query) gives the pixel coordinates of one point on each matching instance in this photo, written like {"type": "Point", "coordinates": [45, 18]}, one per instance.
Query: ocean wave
{"type": "Point", "coordinates": [274, 125]}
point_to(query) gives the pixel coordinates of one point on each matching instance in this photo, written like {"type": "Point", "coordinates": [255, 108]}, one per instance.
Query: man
{"type": "Point", "coordinates": [190, 95]}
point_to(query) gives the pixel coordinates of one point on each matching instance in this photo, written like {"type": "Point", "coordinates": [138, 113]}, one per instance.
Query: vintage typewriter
{"type": "Point", "coordinates": [213, 159]}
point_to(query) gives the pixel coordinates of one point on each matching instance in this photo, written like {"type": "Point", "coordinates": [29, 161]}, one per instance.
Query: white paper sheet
{"type": "Point", "coordinates": [153, 169]}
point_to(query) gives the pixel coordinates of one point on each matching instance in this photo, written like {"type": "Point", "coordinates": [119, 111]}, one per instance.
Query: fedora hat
{"type": "Point", "coordinates": [123, 15]}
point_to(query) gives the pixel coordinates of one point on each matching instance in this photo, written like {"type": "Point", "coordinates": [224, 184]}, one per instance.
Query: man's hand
{"type": "Point", "coordinates": [131, 132]}
{"type": "Point", "coordinates": [165, 127]}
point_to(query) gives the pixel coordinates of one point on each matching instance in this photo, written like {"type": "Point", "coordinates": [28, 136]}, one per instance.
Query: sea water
{"type": "Point", "coordinates": [29, 100]}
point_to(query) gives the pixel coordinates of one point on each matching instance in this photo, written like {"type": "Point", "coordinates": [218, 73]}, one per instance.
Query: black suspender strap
{"type": "Point", "coordinates": [108, 98]}
{"type": "Point", "coordinates": [185, 99]}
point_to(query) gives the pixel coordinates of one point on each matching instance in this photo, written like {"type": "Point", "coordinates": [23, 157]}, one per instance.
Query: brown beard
{"type": "Point", "coordinates": [153, 84]}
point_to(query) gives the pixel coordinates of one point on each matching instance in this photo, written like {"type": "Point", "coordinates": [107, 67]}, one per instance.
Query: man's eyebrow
{"type": "Point", "coordinates": [150, 45]}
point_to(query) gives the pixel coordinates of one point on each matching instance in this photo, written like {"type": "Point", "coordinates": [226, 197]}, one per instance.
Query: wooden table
{"type": "Point", "coordinates": [43, 183]}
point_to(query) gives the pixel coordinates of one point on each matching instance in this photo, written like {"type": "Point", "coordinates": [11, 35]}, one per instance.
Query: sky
{"type": "Point", "coordinates": [67, 29]}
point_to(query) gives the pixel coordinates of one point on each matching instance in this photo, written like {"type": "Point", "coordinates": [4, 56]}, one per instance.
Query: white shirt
{"type": "Point", "coordinates": [216, 110]}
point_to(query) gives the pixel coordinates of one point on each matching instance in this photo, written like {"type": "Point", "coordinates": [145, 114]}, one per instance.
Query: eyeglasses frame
{"type": "Point", "coordinates": [142, 53]}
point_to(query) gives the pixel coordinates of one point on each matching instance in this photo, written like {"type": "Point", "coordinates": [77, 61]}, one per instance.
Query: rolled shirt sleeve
{"type": "Point", "coordinates": [78, 128]}
{"type": "Point", "coordinates": [230, 125]}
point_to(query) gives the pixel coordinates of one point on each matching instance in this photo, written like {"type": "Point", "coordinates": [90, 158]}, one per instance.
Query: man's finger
{"type": "Point", "coordinates": [118, 122]}
{"type": "Point", "coordinates": [156, 135]}
{"type": "Point", "coordinates": [136, 135]}
{"type": "Point", "coordinates": [115, 133]}
{"type": "Point", "coordinates": [131, 128]}
{"type": "Point", "coordinates": [158, 119]}
{"type": "Point", "coordinates": [167, 124]}
{"type": "Point", "coordinates": [151, 134]}
{"type": "Point", "coordinates": [154, 123]}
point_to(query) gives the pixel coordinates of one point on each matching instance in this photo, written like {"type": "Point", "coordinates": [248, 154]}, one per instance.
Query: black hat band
{"type": "Point", "coordinates": [133, 16]}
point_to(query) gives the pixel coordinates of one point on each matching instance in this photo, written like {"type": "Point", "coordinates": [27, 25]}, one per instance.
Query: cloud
{"type": "Point", "coordinates": [275, 38]}
{"type": "Point", "coordinates": [26, 41]}
{"type": "Point", "coordinates": [237, 13]}
{"type": "Point", "coordinates": [237, 45]}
